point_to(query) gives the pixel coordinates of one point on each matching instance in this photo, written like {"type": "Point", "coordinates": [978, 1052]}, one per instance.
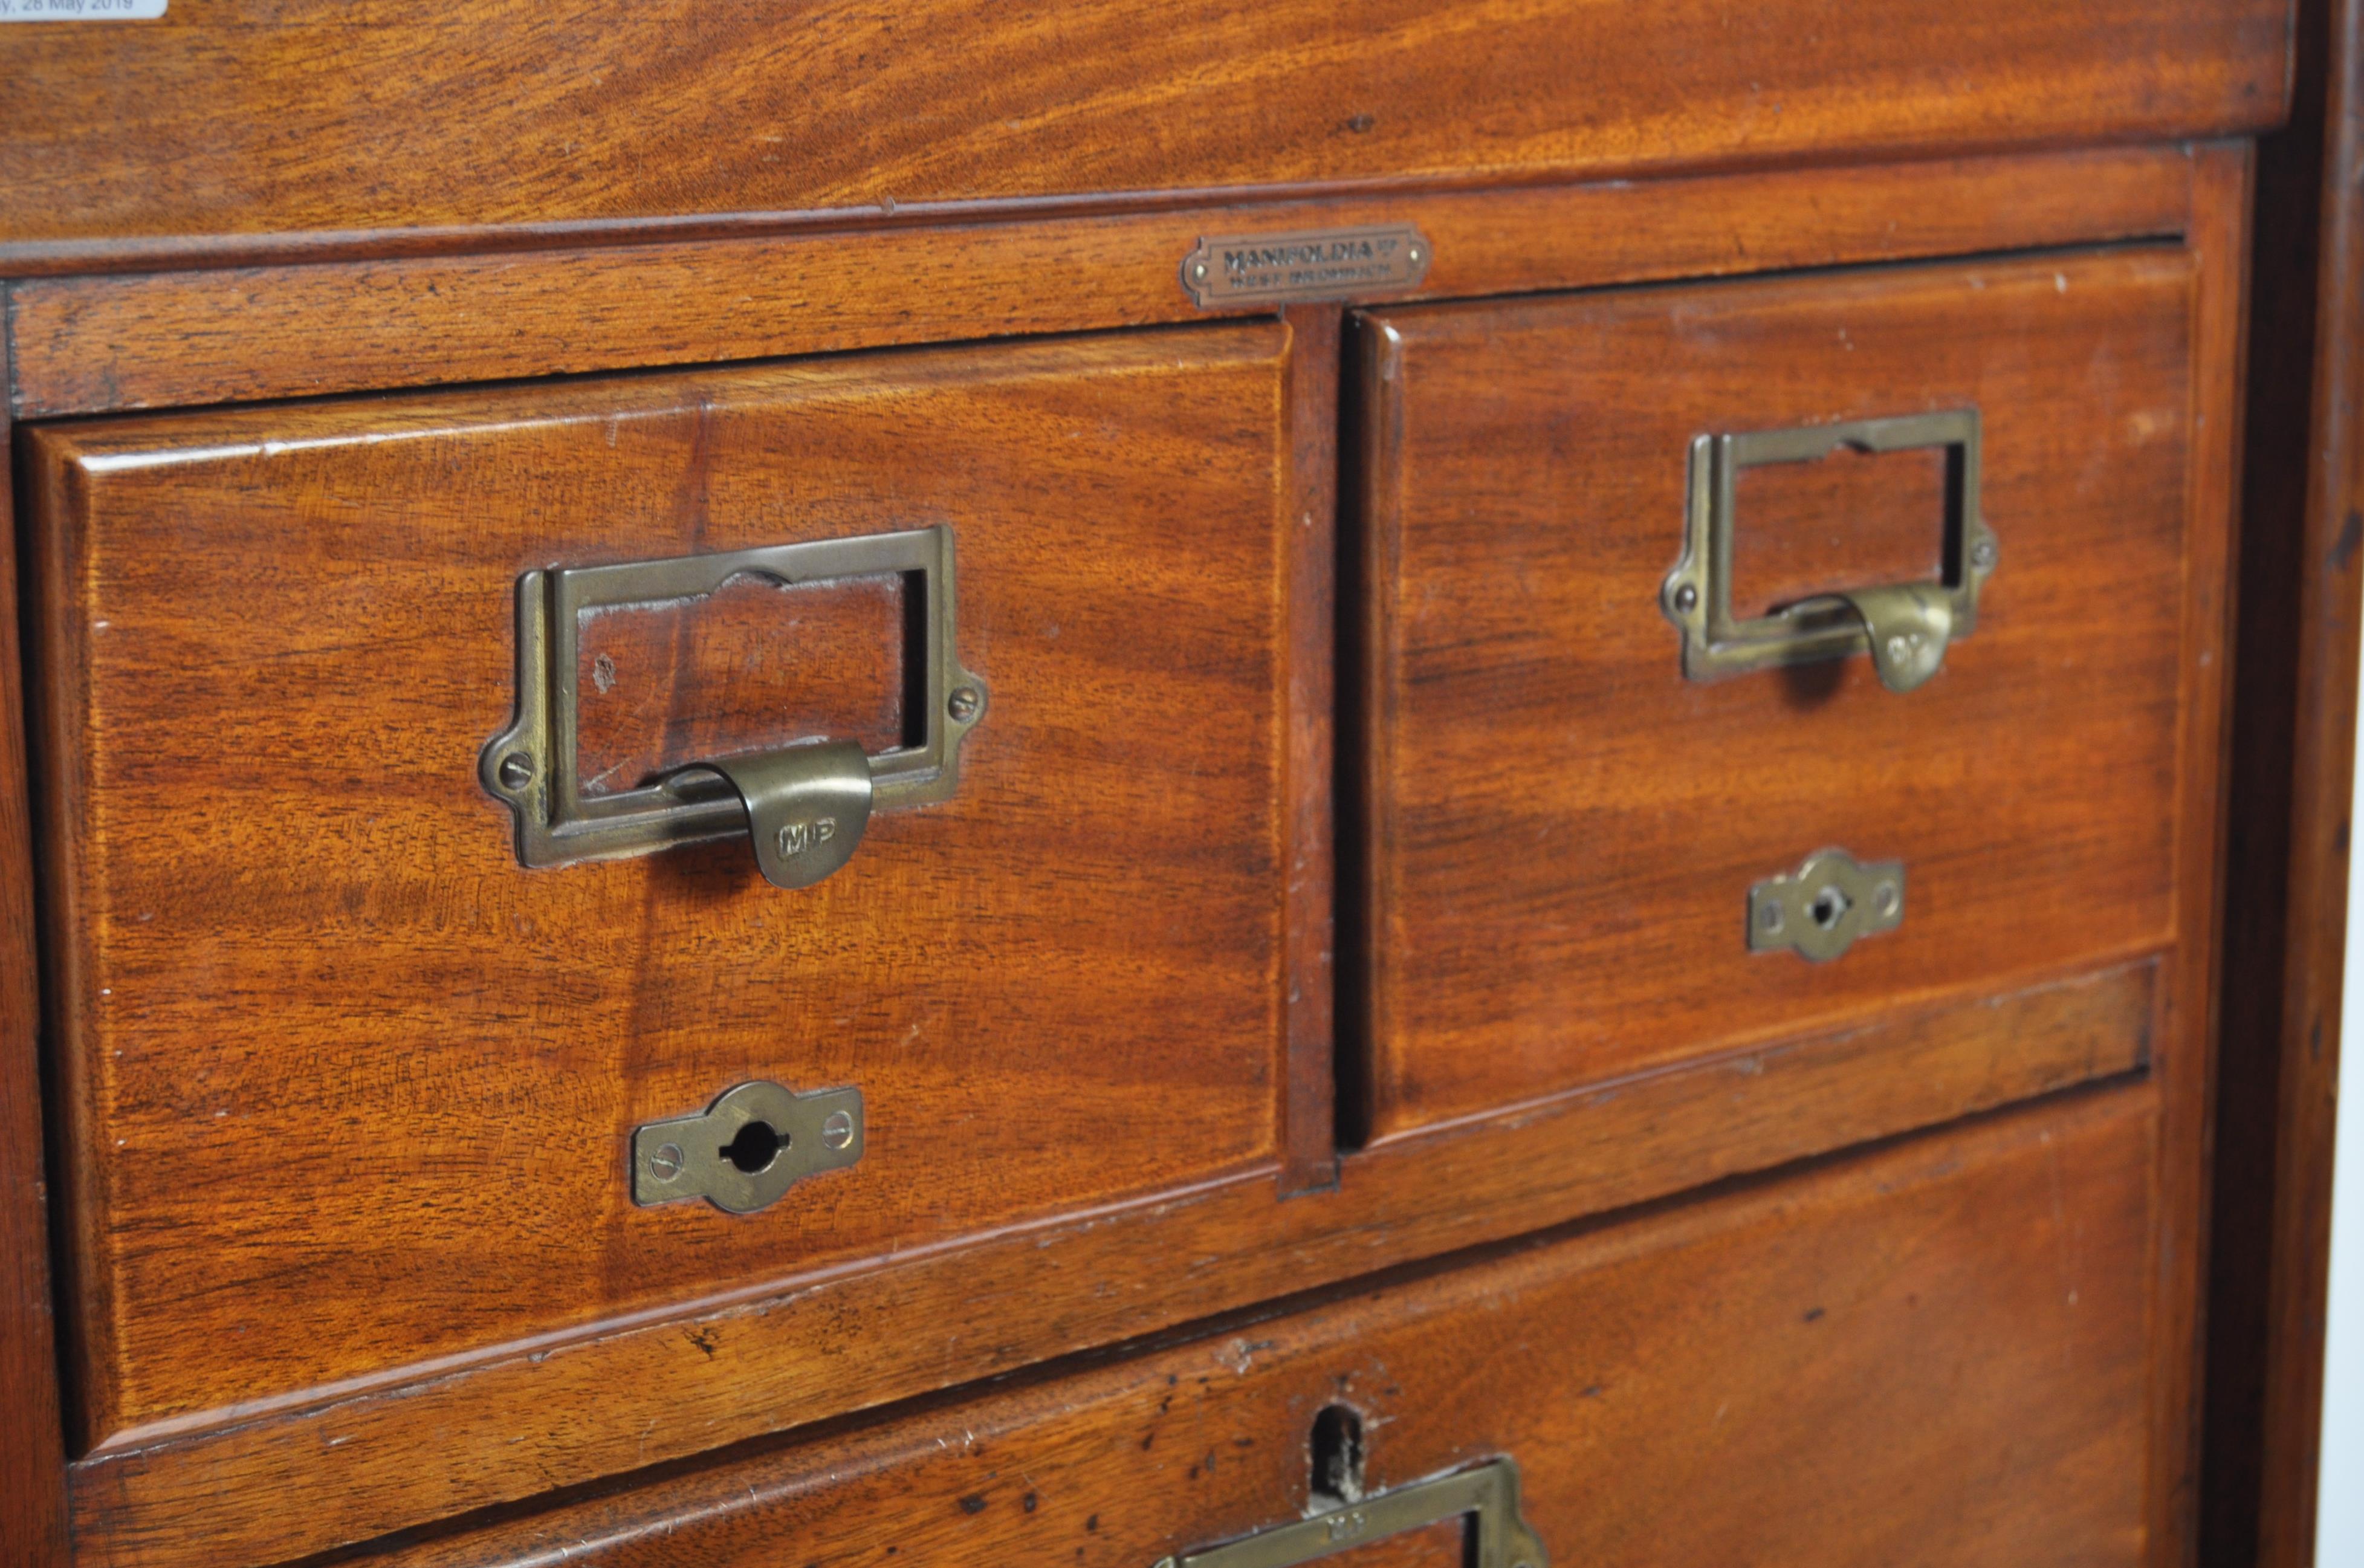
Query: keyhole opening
{"type": "Point", "coordinates": [1830, 905]}
{"type": "Point", "coordinates": [1338, 1454]}
{"type": "Point", "coordinates": [757, 1145]}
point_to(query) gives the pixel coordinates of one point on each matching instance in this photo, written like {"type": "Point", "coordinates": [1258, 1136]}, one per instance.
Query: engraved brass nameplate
{"type": "Point", "coordinates": [1228, 271]}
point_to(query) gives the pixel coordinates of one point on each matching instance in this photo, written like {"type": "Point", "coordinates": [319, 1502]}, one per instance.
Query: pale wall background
{"type": "Point", "coordinates": [2339, 1528]}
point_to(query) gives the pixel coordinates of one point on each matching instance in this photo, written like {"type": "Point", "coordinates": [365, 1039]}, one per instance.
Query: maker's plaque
{"type": "Point", "coordinates": [1328, 263]}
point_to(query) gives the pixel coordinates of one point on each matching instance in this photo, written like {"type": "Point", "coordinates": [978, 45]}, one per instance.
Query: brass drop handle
{"type": "Point", "coordinates": [1906, 627]}
{"type": "Point", "coordinates": [805, 806]}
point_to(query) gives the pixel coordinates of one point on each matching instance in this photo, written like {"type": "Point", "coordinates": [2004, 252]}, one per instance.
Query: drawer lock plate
{"type": "Point", "coordinates": [1822, 907]}
{"type": "Point", "coordinates": [747, 1148]}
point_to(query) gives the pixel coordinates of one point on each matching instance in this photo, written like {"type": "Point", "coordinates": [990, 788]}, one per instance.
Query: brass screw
{"type": "Point", "coordinates": [517, 770]}
{"type": "Point", "coordinates": [837, 1131]}
{"type": "Point", "coordinates": [1982, 554]}
{"type": "Point", "coordinates": [666, 1164]}
{"type": "Point", "coordinates": [1687, 598]}
{"type": "Point", "coordinates": [964, 702]}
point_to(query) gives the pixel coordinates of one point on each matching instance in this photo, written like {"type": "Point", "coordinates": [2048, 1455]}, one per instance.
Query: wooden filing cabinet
{"type": "Point", "coordinates": [1404, 786]}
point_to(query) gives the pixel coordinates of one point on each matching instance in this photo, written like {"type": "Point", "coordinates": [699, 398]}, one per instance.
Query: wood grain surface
{"type": "Point", "coordinates": [1932, 1355]}
{"type": "Point", "coordinates": [1564, 830]}
{"type": "Point", "coordinates": [32, 1434]}
{"type": "Point", "coordinates": [533, 1415]}
{"type": "Point", "coordinates": [351, 1089]}
{"type": "Point", "coordinates": [2293, 785]}
{"type": "Point", "coordinates": [2219, 237]}
{"type": "Point", "coordinates": [756, 1340]}
{"type": "Point", "coordinates": [1308, 1118]}
{"type": "Point", "coordinates": [418, 1442]}
{"type": "Point", "coordinates": [1850, 521]}
{"type": "Point", "coordinates": [251, 118]}
{"type": "Point", "coordinates": [750, 666]}
{"type": "Point", "coordinates": [92, 344]}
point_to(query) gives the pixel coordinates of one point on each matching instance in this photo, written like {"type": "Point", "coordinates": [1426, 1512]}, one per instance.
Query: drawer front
{"type": "Point", "coordinates": [1583, 818]}
{"type": "Point", "coordinates": [1935, 1355]}
{"type": "Point", "coordinates": [352, 1091]}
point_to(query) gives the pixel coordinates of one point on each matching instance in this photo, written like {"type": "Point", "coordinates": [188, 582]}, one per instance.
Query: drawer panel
{"type": "Point", "coordinates": [354, 1094]}
{"type": "Point", "coordinates": [1937, 1354]}
{"type": "Point", "coordinates": [1571, 841]}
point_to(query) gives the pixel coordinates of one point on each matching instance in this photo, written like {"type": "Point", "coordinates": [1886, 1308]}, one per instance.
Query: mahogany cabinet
{"type": "Point", "coordinates": [1393, 784]}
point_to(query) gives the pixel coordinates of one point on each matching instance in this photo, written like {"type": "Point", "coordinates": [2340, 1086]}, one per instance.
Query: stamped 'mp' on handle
{"type": "Point", "coordinates": [1906, 627]}
{"type": "Point", "coordinates": [803, 806]}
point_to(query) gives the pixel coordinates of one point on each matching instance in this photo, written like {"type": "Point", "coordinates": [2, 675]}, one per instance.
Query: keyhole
{"type": "Point", "coordinates": [1338, 1455]}
{"type": "Point", "coordinates": [755, 1148]}
{"type": "Point", "coordinates": [1830, 905]}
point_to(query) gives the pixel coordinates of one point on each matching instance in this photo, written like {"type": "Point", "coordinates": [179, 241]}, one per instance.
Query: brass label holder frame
{"type": "Point", "coordinates": [1905, 628]}
{"type": "Point", "coordinates": [1487, 1493]}
{"type": "Point", "coordinates": [804, 805]}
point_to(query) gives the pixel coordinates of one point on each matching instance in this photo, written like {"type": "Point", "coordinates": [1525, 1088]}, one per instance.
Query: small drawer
{"type": "Point", "coordinates": [1640, 794]}
{"type": "Point", "coordinates": [1941, 1354]}
{"type": "Point", "coordinates": [422, 1000]}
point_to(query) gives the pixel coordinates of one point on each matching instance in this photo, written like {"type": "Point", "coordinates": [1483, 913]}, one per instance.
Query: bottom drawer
{"type": "Point", "coordinates": [1938, 1354]}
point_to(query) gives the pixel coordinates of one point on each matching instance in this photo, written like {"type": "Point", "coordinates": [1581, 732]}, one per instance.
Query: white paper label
{"type": "Point", "coordinates": [81, 10]}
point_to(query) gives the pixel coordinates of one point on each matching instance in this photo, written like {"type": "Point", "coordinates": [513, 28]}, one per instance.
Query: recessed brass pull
{"type": "Point", "coordinates": [1487, 1493]}
{"type": "Point", "coordinates": [1906, 627]}
{"type": "Point", "coordinates": [804, 805]}
{"type": "Point", "coordinates": [1820, 909]}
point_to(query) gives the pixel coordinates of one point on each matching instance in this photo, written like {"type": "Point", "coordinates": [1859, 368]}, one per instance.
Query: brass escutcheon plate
{"type": "Point", "coordinates": [1820, 909]}
{"type": "Point", "coordinates": [746, 1149]}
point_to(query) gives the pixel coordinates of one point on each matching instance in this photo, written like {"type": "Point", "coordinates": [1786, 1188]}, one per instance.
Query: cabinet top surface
{"type": "Point", "coordinates": [216, 124]}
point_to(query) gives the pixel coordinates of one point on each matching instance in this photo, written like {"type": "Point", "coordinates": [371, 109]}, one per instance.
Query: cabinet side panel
{"type": "Point", "coordinates": [32, 1439]}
